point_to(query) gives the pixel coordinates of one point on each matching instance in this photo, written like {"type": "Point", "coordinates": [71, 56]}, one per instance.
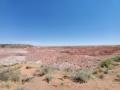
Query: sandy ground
{"type": "Point", "coordinates": [62, 57]}
{"type": "Point", "coordinates": [108, 83]}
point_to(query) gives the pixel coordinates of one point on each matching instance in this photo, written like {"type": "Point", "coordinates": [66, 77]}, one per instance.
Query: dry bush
{"type": "Point", "coordinates": [15, 76]}
{"type": "Point", "coordinates": [118, 77]}
{"type": "Point", "coordinates": [6, 85]}
{"type": "Point", "coordinates": [81, 76]}
{"type": "Point", "coordinates": [43, 70]}
{"type": "Point", "coordinates": [67, 72]}
{"type": "Point", "coordinates": [7, 74]}
{"type": "Point", "coordinates": [26, 78]}
{"type": "Point", "coordinates": [16, 67]}
{"type": "Point", "coordinates": [48, 78]}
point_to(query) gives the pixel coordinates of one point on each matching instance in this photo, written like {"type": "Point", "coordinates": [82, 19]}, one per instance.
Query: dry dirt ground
{"type": "Point", "coordinates": [62, 57]}
{"type": "Point", "coordinates": [58, 83]}
{"type": "Point", "coordinates": [75, 57]}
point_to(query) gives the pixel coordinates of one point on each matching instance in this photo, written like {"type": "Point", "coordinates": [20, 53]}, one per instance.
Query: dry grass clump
{"type": "Point", "coordinates": [118, 77]}
{"type": "Point", "coordinates": [14, 76]}
{"type": "Point", "coordinates": [10, 86]}
{"type": "Point", "coordinates": [7, 74]}
{"type": "Point", "coordinates": [7, 85]}
{"type": "Point", "coordinates": [67, 73]}
{"type": "Point", "coordinates": [48, 78]}
{"type": "Point", "coordinates": [81, 76]}
{"type": "Point", "coordinates": [10, 78]}
{"type": "Point", "coordinates": [26, 78]}
{"type": "Point", "coordinates": [43, 70]}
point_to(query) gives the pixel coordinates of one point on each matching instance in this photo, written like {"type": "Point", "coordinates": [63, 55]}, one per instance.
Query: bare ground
{"type": "Point", "coordinates": [62, 57]}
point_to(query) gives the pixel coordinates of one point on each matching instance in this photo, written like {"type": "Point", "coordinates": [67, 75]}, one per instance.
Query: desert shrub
{"type": "Point", "coordinates": [14, 76]}
{"type": "Point", "coordinates": [4, 74]}
{"type": "Point", "coordinates": [48, 78]}
{"type": "Point", "coordinates": [97, 71]}
{"type": "Point", "coordinates": [116, 59]}
{"type": "Point", "coordinates": [67, 72]}
{"type": "Point", "coordinates": [16, 67]}
{"type": "Point", "coordinates": [7, 74]}
{"type": "Point", "coordinates": [43, 70]}
{"type": "Point", "coordinates": [19, 88]}
{"type": "Point", "coordinates": [118, 77]}
{"type": "Point", "coordinates": [106, 63]}
{"type": "Point", "coordinates": [5, 85]}
{"type": "Point", "coordinates": [104, 70]}
{"type": "Point", "coordinates": [10, 86]}
{"type": "Point", "coordinates": [103, 67]}
{"type": "Point", "coordinates": [100, 72]}
{"type": "Point", "coordinates": [81, 76]}
{"type": "Point", "coordinates": [26, 78]}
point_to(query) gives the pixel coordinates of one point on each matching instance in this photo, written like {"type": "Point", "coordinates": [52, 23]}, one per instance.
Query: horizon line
{"type": "Point", "coordinates": [59, 45]}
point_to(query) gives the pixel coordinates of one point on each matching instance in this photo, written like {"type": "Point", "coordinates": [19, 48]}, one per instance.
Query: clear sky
{"type": "Point", "coordinates": [60, 22]}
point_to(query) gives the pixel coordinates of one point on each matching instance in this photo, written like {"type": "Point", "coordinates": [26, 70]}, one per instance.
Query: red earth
{"type": "Point", "coordinates": [75, 57]}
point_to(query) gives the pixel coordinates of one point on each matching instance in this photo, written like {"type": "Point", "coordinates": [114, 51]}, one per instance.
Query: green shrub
{"type": "Point", "coordinates": [106, 63]}
{"type": "Point", "coordinates": [81, 76]}
{"type": "Point", "coordinates": [116, 59]}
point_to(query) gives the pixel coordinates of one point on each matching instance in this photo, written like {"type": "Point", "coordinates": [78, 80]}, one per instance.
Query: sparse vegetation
{"type": "Point", "coordinates": [8, 74]}
{"type": "Point", "coordinates": [116, 59]}
{"type": "Point", "coordinates": [104, 70]}
{"type": "Point", "coordinates": [11, 78]}
{"type": "Point", "coordinates": [14, 76]}
{"type": "Point", "coordinates": [18, 76]}
{"type": "Point", "coordinates": [118, 77]}
{"type": "Point", "coordinates": [43, 70]}
{"type": "Point", "coordinates": [25, 78]}
{"type": "Point", "coordinates": [48, 78]}
{"type": "Point", "coordinates": [104, 67]}
{"type": "Point", "coordinates": [19, 87]}
{"type": "Point", "coordinates": [81, 76]}
{"type": "Point", "coordinates": [106, 63]}
{"type": "Point", "coordinates": [7, 85]}
{"type": "Point", "coordinates": [67, 72]}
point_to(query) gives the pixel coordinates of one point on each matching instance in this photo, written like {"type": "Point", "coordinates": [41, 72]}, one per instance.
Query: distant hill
{"type": "Point", "coordinates": [15, 45]}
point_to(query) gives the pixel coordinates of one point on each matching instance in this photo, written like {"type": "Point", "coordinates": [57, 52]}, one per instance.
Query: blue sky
{"type": "Point", "coordinates": [60, 22]}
